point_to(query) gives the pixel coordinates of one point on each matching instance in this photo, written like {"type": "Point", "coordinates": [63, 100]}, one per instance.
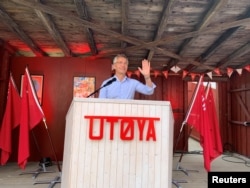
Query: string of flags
{"type": "Point", "coordinates": [176, 69]}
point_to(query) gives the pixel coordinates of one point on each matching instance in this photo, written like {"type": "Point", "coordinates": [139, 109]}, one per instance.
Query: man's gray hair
{"type": "Point", "coordinates": [119, 55]}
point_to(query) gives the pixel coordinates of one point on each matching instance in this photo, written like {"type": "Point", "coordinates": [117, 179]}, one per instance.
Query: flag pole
{"type": "Point", "coordinates": [193, 98]}
{"type": "Point", "coordinates": [52, 145]}
{"type": "Point", "coordinates": [44, 120]}
{"type": "Point", "coordinates": [207, 89]}
{"type": "Point", "coordinates": [188, 112]}
{"type": "Point", "coordinates": [33, 114]}
{"type": "Point", "coordinates": [39, 170]}
{"type": "Point", "coordinates": [178, 167]}
{"type": "Point", "coordinates": [32, 109]}
{"type": "Point", "coordinates": [57, 179]}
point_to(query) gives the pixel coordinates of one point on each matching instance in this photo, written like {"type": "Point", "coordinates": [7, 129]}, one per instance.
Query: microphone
{"type": "Point", "coordinates": [109, 82]}
{"type": "Point", "coordinates": [106, 84]}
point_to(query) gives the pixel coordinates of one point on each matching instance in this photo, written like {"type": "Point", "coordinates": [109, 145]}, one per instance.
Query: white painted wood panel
{"type": "Point", "coordinates": [116, 163]}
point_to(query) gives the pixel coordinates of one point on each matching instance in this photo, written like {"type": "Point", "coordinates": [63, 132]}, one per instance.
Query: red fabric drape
{"type": "Point", "coordinates": [202, 116]}
{"type": "Point", "coordinates": [11, 119]}
{"type": "Point", "coordinates": [31, 115]}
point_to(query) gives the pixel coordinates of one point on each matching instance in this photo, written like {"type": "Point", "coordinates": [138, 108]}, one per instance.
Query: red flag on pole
{"type": "Point", "coordinates": [214, 126]}
{"type": "Point", "coordinates": [198, 118]}
{"type": "Point", "coordinates": [31, 115]}
{"type": "Point", "coordinates": [11, 119]}
{"type": "Point", "coordinates": [201, 117]}
{"type": "Point", "coordinates": [206, 134]}
{"type": "Point", "coordinates": [195, 115]}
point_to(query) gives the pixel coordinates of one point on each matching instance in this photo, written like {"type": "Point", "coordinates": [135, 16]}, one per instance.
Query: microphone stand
{"type": "Point", "coordinates": [108, 83]}
{"type": "Point", "coordinates": [96, 91]}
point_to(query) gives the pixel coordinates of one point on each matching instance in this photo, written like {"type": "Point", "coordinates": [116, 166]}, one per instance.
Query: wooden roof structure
{"type": "Point", "coordinates": [197, 36]}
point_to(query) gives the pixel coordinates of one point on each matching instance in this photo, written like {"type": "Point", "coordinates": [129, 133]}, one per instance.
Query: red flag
{"type": "Point", "coordinates": [200, 118]}
{"type": "Point", "coordinates": [11, 119]}
{"type": "Point", "coordinates": [31, 115]}
{"type": "Point", "coordinates": [214, 126]}
{"type": "Point", "coordinates": [195, 114]}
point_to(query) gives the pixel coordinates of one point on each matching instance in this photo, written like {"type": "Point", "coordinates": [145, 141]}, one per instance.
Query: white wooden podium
{"type": "Point", "coordinates": [118, 143]}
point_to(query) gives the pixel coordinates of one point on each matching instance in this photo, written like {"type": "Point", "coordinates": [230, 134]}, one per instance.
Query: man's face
{"type": "Point", "coordinates": [121, 65]}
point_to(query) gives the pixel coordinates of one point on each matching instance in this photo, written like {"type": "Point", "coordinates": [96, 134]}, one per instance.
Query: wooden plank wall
{"type": "Point", "coordinates": [239, 93]}
{"type": "Point", "coordinates": [4, 76]}
{"type": "Point", "coordinates": [174, 90]}
{"type": "Point", "coordinates": [224, 104]}
{"type": "Point", "coordinates": [57, 94]}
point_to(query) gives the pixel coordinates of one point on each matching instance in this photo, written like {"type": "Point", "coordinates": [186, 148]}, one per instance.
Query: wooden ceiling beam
{"type": "Point", "coordinates": [83, 14]}
{"type": "Point", "coordinates": [210, 51]}
{"type": "Point", "coordinates": [225, 36]}
{"type": "Point", "coordinates": [237, 53]}
{"type": "Point", "coordinates": [75, 19]}
{"type": "Point", "coordinates": [215, 7]}
{"type": "Point", "coordinates": [161, 25]}
{"type": "Point", "coordinates": [138, 43]}
{"type": "Point", "coordinates": [20, 33]}
{"type": "Point", "coordinates": [216, 28]}
{"type": "Point", "coordinates": [124, 20]}
{"type": "Point", "coordinates": [242, 65]}
{"type": "Point", "coordinates": [53, 31]}
{"type": "Point", "coordinates": [8, 47]}
{"type": "Point", "coordinates": [72, 18]}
